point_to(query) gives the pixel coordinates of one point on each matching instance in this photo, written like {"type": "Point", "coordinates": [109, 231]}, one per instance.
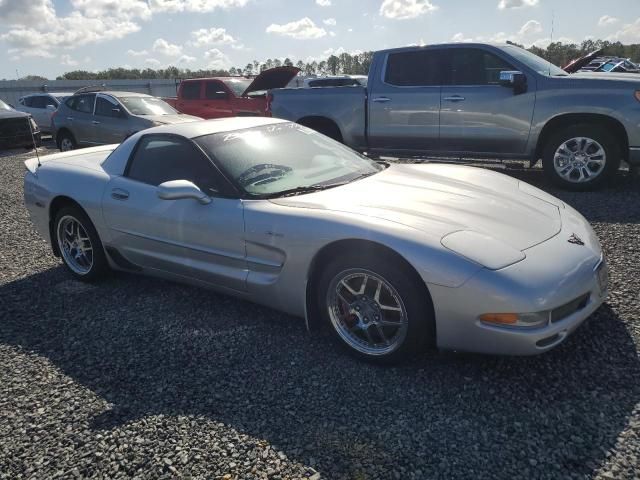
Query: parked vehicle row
{"type": "Point", "coordinates": [17, 129]}
{"type": "Point", "coordinates": [276, 213]}
{"type": "Point", "coordinates": [230, 96]}
{"type": "Point", "coordinates": [478, 100]}
{"type": "Point", "coordinates": [92, 118]}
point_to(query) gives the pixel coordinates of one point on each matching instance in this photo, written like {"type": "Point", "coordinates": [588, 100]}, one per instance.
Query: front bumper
{"type": "Point", "coordinates": [554, 274]}
{"type": "Point", "coordinates": [634, 156]}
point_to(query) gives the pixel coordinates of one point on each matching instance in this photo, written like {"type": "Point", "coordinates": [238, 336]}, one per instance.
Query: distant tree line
{"type": "Point", "coordinates": [557, 53]}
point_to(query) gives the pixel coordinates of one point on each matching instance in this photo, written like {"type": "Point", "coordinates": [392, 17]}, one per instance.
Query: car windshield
{"type": "Point", "coordinates": [4, 106]}
{"type": "Point", "coordinates": [285, 158]}
{"type": "Point", "coordinates": [238, 85]}
{"type": "Point", "coordinates": [147, 106]}
{"type": "Point", "coordinates": [534, 62]}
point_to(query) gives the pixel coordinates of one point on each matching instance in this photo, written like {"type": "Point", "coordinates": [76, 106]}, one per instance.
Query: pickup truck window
{"type": "Point", "coordinates": [414, 69]}
{"type": "Point", "coordinates": [534, 62]}
{"type": "Point", "coordinates": [238, 85]}
{"type": "Point", "coordinates": [215, 91]}
{"type": "Point", "coordinates": [473, 66]}
{"type": "Point", "coordinates": [191, 90]}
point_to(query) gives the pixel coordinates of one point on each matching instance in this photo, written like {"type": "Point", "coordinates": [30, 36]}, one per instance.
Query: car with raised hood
{"type": "Point", "coordinates": [42, 106]}
{"type": "Point", "coordinates": [17, 129]}
{"type": "Point", "coordinates": [222, 97]}
{"type": "Point", "coordinates": [102, 117]}
{"type": "Point", "coordinates": [392, 258]}
{"type": "Point", "coordinates": [468, 100]}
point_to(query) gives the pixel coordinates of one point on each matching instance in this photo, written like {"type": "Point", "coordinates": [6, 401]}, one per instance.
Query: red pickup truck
{"type": "Point", "coordinates": [229, 96]}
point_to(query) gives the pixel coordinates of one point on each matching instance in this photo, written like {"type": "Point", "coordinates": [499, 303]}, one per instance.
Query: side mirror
{"type": "Point", "coordinates": [180, 190]}
{"type": "Point", "coordinates": [51, 108]}
{"type": "Point", "coordinates": [514, 79]}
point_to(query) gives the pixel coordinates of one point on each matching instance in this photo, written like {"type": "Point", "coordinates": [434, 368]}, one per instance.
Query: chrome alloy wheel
{"type": "Point", "coordinates": [579, 160]}
{"type": "Point", "coordinates": [66, 144]}
{"type": "Point", "coordinates": [367, 312]}
{"type": "Point", "coordinates": [75, 245]}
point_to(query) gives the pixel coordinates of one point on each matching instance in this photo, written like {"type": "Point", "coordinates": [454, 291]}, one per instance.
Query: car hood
{"type": "Point", "coordinates": [442, 199]}
{"type": "Point", "coordinates": [170, 119]}
{"type": "Point", "coordinates": [278, 77]}
{"type": "Point", "coordinates": [609, 76]}
{"type": "Point", "coordinates": [12, 114]}
{"type": "Point", "coordinates": [578, 63]}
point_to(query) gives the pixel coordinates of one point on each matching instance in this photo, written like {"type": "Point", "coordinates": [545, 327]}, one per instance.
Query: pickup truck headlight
{"type": "Point", "coordinates": [482, 249]}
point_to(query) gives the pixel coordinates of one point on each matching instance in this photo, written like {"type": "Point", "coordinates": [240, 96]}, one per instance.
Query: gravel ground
{"type": "Point", "coordinates": [143, 378]}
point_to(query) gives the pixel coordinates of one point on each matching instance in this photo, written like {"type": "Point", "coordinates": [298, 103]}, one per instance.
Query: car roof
{"type": "Point", "coordinates": [218, 125]}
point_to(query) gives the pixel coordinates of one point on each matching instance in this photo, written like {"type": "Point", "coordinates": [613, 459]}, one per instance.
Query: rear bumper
{"type": "Point", "coordinates": [634, 156]}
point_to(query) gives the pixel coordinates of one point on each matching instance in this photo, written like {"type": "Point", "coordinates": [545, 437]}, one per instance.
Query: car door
{"type": "Point", "coordinates": [478, 115]}
{"type": "Point", "coordinates": [110, 123]}
{"type": "Point", "coordinates": [181, 237]}
{"type": "Point", "coordinates": [404, 105]}
{"type": "Point", "coordinates": [39, 111]}
{"type": "Point", "coordinates": [79, 118]}
{"type": "Point", "coordinates": [217, 100]}
{"type": "Point", "coordinates": [190, 98]}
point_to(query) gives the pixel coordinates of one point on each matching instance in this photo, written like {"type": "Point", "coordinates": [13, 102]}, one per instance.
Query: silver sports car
{"type": "Point", "coordinates": [393, 258]}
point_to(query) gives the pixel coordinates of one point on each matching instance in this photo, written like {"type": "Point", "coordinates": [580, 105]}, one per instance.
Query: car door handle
{"type": "Point", "coordinates": [119, 194]}
{"type": "Point", "coordinates": [454, 98]}
{"type": "Point", "coordinates": [95, 122]}
{"type": "Point", "coordinates": [381, 100]}
{"type": "Point", "coordinates": [70, 119]}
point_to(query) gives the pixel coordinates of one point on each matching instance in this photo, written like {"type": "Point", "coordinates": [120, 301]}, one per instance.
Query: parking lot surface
{"type": "Point", "coordinates": [137, 377]}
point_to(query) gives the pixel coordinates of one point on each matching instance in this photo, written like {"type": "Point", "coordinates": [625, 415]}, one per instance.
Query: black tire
{"type": "Point", "coordinates": [66, 136]}
{"type": "Point", "coordinates": [99, 265]}
{"type": "Point", "coordinates": [595, 132]}
{"type": "Point", "coordinates": [420, 332]}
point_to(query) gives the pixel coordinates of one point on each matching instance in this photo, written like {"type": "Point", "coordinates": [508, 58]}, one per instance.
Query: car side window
{"type": "Point", "coordinates": [39, 101]}
{"type": "Point", "coordinates": [215, 91]}
{"type": "Point", "coordinates": [161, 158]}
{"type": "Point", "coordinates": [82, 103]}
{"type": "Point", "coordinates": [26, 101]}
{"type": "Point", "coordinates": [191, 90]}
{"type": "Point", "coordinates": [418, 68]}
{"type": "Point", "coordinates": [105, 108]}
{"type": "Point", "coordinates": [473, 66]}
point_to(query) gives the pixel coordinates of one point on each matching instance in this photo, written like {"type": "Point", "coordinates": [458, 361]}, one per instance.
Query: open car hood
{"type": "Point", "coordinates": [277, 77]}
{"type": "Point", "coordinates": [577, 64]}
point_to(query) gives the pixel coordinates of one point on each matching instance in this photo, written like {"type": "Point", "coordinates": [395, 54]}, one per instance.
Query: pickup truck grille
{"type": "Point", "coordinates": [14, 127]}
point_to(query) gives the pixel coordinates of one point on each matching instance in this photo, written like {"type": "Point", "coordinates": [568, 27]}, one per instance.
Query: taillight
{"type": "Point", "coordinates": [267, 111]}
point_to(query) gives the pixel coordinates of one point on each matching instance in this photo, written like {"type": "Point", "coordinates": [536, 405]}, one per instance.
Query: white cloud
{"type": "Point", "coordinates": [217, 59]}
{"type": "Point", "coordinates": [630, 33]}
{"type": "Point", "coordinates": [165, 48]}
{"type": "Point", "coordinates": [323, 3]}
{"type": "Point", "coordinates": [186, 59]}
{"type": "Point", "coordinates": [303, 29]}
{"type": "Point", "coordinates": [530, 28]}
{"type": "Point", "coordinates": [201, 6]}
{"type": "Point", "coordinates": [67, 60]}
{"type": "Point", "coordinates": [405, 9]}
{"type": "Point", "coordinates": [459, 37]}
{"type": "Point", "coordinates": [607, 21]}
{"type": "Point", "coordinates": [152, 62]}
{"type": "Point", "coordinates": [545, 42]}
{"type": "Point", "coordinates": [137, 53]}
{"type": "Point", "coordinates": [213, 36]}
{"type": "Point", "coordinates": [330, 21]}
{"type": "Point", "coordinates": [113, 8]}
{"type": "Point", "coordinates": [25, 12]}
{"type": "Point", "coordinates": [516, 3]}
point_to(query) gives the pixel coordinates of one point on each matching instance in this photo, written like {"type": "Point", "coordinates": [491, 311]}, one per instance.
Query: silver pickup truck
{"type": "Point", "coordinates": [482, 101]}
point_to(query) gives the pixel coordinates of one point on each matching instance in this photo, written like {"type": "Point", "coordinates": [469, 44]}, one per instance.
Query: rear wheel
{"type": "Point", "coordinates": [79, 245]}
{"type": "Point", "coordinates": [581, 157]}
{"type": "Point", "coordinates": [376, 309]}
{"type": "Point", "coordinates": [66, 142]}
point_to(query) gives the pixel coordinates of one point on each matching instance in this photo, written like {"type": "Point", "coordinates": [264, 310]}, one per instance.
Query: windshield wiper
{"type": "Point", "coordinates": [296, 191]}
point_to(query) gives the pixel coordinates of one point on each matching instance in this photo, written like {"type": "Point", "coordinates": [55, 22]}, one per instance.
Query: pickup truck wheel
{"type": "Point", "coordinates": [581, 157]}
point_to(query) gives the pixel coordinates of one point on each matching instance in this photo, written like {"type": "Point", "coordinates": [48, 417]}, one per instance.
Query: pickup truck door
{"type": "Point", "coordinates": [217, 101]}
{"type": "Point", "coordinates": [204, 242]}
{"type": "Point", "coordinates": [478, 115]}
{"type": "Point", "coordinates": [404, 102]}
{"type": "Point", "coordinates": [189, 99]}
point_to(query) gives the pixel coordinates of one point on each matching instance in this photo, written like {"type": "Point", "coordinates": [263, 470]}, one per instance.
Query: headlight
{"type": "Point", "coordinates": [521, 320]}
{"type": "Point", "coordinates": [482, 249]}
{"type": "Point", "coordinates": [34, 125]}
